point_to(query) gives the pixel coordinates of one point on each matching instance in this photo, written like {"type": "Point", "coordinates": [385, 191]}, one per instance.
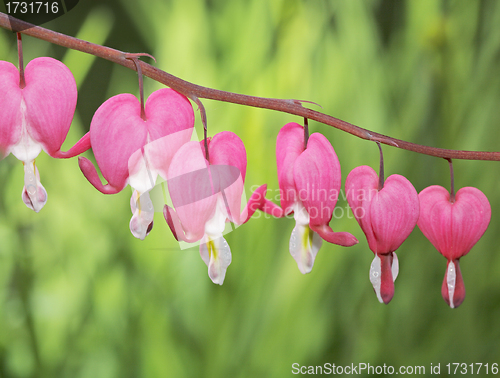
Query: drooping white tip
{"type": "Point", "coordinates": [394, 266]}
{"type": "Point", "coordinates": [217, 255]}
{"type": "Point", "coordinates": [451, 277]}
{"type": "Point", "coordinates": [304, 242]}
{"type": "Point", "coordinates": [142, 208]}
{"type": "Point", "coordinates": [375, 276]}
{"type": "Point", "coordinates": [302, 249]}
{"type": "Point", "coordinates": [376, 273]}
{"type": "Point", "coordinates": [34, 194]}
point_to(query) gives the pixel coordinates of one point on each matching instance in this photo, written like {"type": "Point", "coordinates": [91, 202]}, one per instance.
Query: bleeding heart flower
{"type": "Point", "coordinates": [309, 180]}
{"type": "Point", "coordinates": [207, 194]}
{"type": "Point", "coordinates": [131, 150]}
{"type": "Point", "coordinates": [453, 227]}
{"type": "Point", "coordinates": [37, 117]}
{"type": "Point", "coordinates": [386, 216]}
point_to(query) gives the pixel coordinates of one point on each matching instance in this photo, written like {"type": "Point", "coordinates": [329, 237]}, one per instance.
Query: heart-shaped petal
{"type": "Point", "coordinates": [361, 186]}
{"type": "Point", "coordinates": [394, 213]}
{"type": "Point", "coordinates": [40, 114]}
{"type": "Point", "coordinates": [191, 189]}
{"type": "Point", "coordinates": [289, 145]}
{"type": "Point", "coordinates": [453, 228]}
{"type": "Point", "coordinates": [50, 95]}
{"type": "Point", "coordinates": [226, 148]}
{"type": "Point", "coordinates": [386, 216]}
{"type": "Point", "coordinates": [170, 122]}
{"type": "Point", "coordinates": [116, 132]}
{"type": "Point", "coordinates": [10, 104]}
{"type": "Point", "coordinates": [122, 140]}
{"type": "Point", "coordinates": [317, 178]}
{"type": "Point", "coordinates": [228, 164]}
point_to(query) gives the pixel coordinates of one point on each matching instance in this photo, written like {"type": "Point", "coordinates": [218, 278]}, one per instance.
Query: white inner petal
{"type": "Point", "coordinates": [300, 214]}
{"type": "Point", "coordinates": [214, 249]}
{"type": "Point", "coordinates": [395, 266]}
{"type": "Point", "coordinates": [26, 149]}
{"type": "Point", "coordinates": [215, 226]}
{"type": "Point", "coordinates": [376, 276]}
{"type": "Point", "coordinates": [30, 178]}
{"type": "Point", "coordinates": [34, 194]}
{"type": "Point", "coordinates": [376, 273]}
{"type": "Point", "coordinates": [142, 175]}
{"type": "Point", "coordinates": [217, 255]}
{"type": "Point", "coordinates": [142, 214]}
{"type": "Point", "coordinates": [451, 277]}
{"type": "Point", "coordinates": [304, 243]}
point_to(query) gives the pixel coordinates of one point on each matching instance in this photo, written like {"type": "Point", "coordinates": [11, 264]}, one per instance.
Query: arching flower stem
{"type": "Point", "coordinates": [192, 90]}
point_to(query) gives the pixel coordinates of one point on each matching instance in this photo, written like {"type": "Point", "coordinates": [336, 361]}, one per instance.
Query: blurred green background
{"type": "Point", "coordinates": [81, 297]}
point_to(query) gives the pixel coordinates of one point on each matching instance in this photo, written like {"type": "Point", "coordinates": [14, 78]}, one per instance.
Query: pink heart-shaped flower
{"type": "Point", "coordinates": [386, 216]}
{"type": "Point", "coordinates": [37, 117]}
{"type": "Point", "coordinates": [453, 228]}
{"type": "Point", "coordinates": [207, 194]}
{"type": "Point", "coordinates": [43, 109]}
{"type": "Point", "coordinates": [309, 179]}
{"type": "Point", "coordinates": [131, 150]}
{"type": "Point", "coordinates": [121, 140]}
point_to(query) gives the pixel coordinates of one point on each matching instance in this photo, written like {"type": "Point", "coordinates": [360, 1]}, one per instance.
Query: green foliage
{"type": "Point", "coordinates": [81, 297]}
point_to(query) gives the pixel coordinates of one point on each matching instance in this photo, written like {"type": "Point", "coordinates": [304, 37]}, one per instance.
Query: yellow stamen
{"type": "Point", "coordinates": [138, 201]}
{"type": "Point", "coordinates": [307, 239]}
{"type": "Point", "coordinates": [211, 249]}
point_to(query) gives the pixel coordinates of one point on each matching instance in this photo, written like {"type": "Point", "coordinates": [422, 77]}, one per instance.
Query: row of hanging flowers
{"type": "Point", "coordinates": [135, 142]}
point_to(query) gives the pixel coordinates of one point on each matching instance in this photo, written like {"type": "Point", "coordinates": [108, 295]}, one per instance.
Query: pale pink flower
{"type": "Point", "coordinates": [207, 194]}
{"type": "Point", "coordinates": [37, 117]}
{"type": "Point", "coordinates": [131, 150]}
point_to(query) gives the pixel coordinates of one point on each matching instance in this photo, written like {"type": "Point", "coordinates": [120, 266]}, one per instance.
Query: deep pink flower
{"type": "Point", "coordinates": [206, 195]}
{"type": "Point", "coordinates": [453, 228]}
{"type": "Point", "coordinates": [37, 117]}
{"type": "Point", "coordinates": [309, 180]}
{"type": "Point", "coordinates": [130, 150]}
{"type": "Point", "coordinates": [387, 217]}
